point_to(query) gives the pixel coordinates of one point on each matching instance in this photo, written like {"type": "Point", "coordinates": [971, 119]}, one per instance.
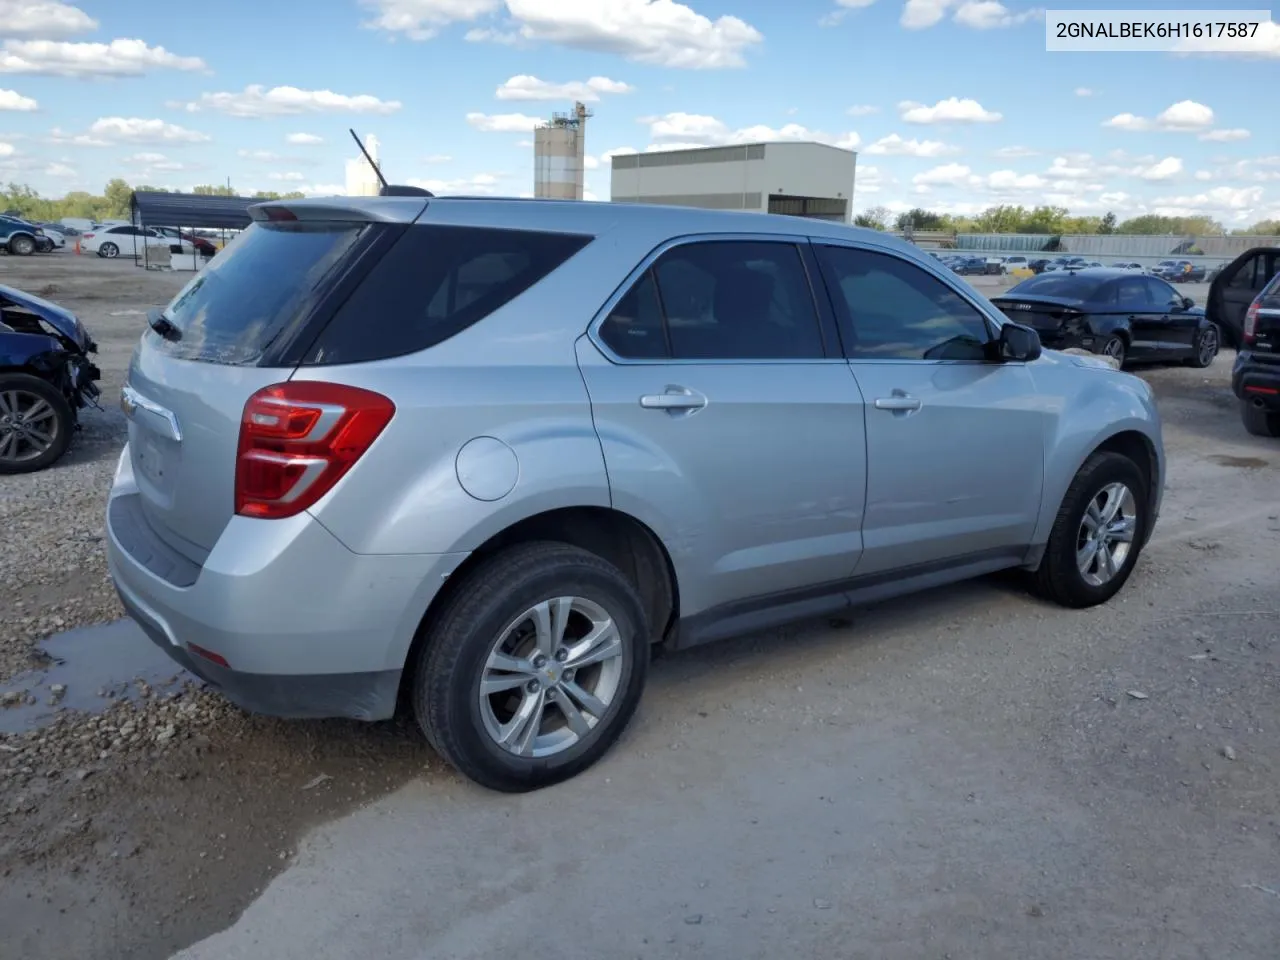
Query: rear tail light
{"type": "Point", "coordinates": [88, 236]}
{"type": "Point", "coordinates": [298, 439]}
{"type": "Point", "coordinates": [1251, 320]}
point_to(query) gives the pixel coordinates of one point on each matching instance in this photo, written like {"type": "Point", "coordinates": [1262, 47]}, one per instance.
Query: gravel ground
{"type": "Point", "coordinates": [143, 829]}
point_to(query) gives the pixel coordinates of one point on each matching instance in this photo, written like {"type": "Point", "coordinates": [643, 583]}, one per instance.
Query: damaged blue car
{"type": "Point", "coordinates": [46, 379]}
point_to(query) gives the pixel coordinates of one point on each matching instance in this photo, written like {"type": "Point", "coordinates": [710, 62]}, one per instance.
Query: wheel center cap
{"type": "Point", "coordinates": [550, 674]}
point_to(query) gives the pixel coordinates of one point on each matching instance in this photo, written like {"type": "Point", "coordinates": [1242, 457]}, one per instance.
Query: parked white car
{"type": "Point", "coordinates": [126, 240]}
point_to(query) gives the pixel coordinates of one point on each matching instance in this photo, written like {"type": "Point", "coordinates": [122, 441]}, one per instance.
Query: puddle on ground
{"type": "Point", "coordinates": [89, 669]}
{"type": "Point", "coordinates": [1247, 463]}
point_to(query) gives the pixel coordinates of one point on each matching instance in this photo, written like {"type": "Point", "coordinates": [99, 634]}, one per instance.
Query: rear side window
{"type": "Point", "coordinates": [434, 283]}
{"type": "Point", "coordinates": [719, 300]}
{"type": "Point", "coordinates": [271, 274]}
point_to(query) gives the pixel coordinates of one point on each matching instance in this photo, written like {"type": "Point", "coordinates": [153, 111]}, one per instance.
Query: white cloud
{"type": "Point", "coordinates": [590, 163]}
{"type": "Point", "coordinates": [7, 149]}
{"type": "Point", "coordinates": [254, 101]}
{"type": "Point", "coordinates": [303, 139]}
{"type": "Point", "coordinates": [949, 174]}
{"type": "Point", "coordinates": [862, 110]}
{"type": "Point", "coordinates": [608, 155]}
{"type": "Point", "coordinates": [660, 32]}
{"type": "Point", "coordinates": [988, 15]}
{"type": "Point", "coordinates": [12, 100]}
{"type": "Point", "coordinates": [977, 14]}
{"type": "Point", "coordinates": [1264, 43]}
{"type": "Point", "coordinates": [119, 58]}
{"type": "Point", "coordinates": [1164, 169]}
{"type": "Point", "coordinates": [843, 7]}
{"type": "Point", "coordinates": [60, 170]}
{"type": "Point", "coordinates": [437, 158]}
{"type": "Point", "coordinates": [871, 179]}
{"type": "Point", "coordinates": [43, 18]}
{"type": "Point", "coordinates": [1203, 175]}
{"type": "Point", "coordinates": [1185, 116]}
{"type": "Point", "coordinates": [1084, 92]}
{"type": "Point", "coordinates": [950, 110]}
{"type": "Point", "coordinates": [503, 122]}
{"type": "Point", "coordinates": [680, 131]}
{"type": "Point", "coordinates": [290, 177]}
{"type": "Point", "coordinates": [1016, 151]}
{"type": "Point", "coordinates": [1229, 203]}
{"type": "Point", "coordinates": [1008, 180]}
{"type": "Point", "coordinates": [484, 184]}
{"type": "Point", "coordinates": [262, 156]}
{"type": "Point", "coordinates": [526, 87]}
{"type": "Point", "coordinates": [1075, 167]}
{"type": "Point", "coordinates": [322, 189]}
{"type": "Point", "coordinates": [423, 19]}
{"type": "Point", "coordinates": [896, 146]}
{"type": "Point", "coordinates": [108, 131]}
{"type": "Point", "coordinates": [1225, 136]}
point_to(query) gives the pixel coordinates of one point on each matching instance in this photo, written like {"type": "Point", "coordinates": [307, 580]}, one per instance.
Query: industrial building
{"type": "Point", "coordinates": [800, 179]}
{"type": "Point", "coordinates": [362, 178]}
{"type": "Point", "coordinates": [559, 148]}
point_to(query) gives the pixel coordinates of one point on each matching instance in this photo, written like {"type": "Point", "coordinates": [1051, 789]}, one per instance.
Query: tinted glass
{"type": "Point", "coordinates": [1077, 287]}
{"type": "Point", "coordinates": [1161, 293]}
{"type": "Point", "coordinates": [1133, 291]}
{"type": "Point", "coordinates": [232, 311]}
{"type": "Point", "coordinates": [634, 327]}
{"type": "Point", "coordinates": [1244, 277]}
{"type": "Point", "coordinates": [434, 283]}
{"type": "Point", "coordinates": [736, 300]}
{"type": "Point", "coordinates": [897, 311]}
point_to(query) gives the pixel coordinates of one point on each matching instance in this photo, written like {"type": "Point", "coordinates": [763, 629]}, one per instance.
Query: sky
{"type": "Point", "coordinates": [952, 105]}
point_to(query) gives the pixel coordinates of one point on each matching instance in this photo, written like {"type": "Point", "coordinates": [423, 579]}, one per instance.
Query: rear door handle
{"type": "Point", "coordinates": [674, 400]}
{"type": "Point", "coordinates": [897, 403]}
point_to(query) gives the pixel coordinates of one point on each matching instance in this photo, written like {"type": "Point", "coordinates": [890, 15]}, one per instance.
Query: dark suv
{"type": "Point", "coordinates": [1255, 378]}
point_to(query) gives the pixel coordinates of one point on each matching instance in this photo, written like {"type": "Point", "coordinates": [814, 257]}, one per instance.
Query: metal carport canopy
{"type": "Point", "coordinates": [154, 209]}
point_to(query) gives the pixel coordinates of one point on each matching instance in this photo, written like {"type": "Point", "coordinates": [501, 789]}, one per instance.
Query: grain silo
{"type": "Point", "coordinates": [558, 151]}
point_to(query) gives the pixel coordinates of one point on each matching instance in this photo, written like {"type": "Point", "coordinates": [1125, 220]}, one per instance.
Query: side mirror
{"type": "Point", "coordinates": [1187, 303]}
{"type": "Point", "coordinates": [1018, 342]}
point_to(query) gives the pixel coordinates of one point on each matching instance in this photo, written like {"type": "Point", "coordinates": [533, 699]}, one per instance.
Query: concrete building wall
{"type": "Point", "coordinates": [559, 150]}
{"type": "Point", "coordinates": [740, 178]}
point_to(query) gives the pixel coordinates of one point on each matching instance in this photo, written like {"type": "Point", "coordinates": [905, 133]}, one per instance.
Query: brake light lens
{"type": "Point", "coordinates": [298, 439]}
{"type": "Point", "coordinates": [1251, 320]}
{"type": "Point", "coordinates": [88, 236]}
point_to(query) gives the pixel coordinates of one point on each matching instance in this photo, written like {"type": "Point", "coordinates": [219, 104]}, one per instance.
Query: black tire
{"type": "Point", "coordinates": [1059, 578]}
{"type": "Point", "coordinates": [109, 251]}
{"type": "Point", "coordinates": [1116, 347]}
{"type": "Point", "coordinates": [1259, 421]}
{"type": "Point", "coordinates": [446, 682]}
{"type": "Point", "coordinates": [1205, 349]}
{"type": "Point", "coordinates": [22, 384]}
{"type": "Point", "coordinates": [22, 246]}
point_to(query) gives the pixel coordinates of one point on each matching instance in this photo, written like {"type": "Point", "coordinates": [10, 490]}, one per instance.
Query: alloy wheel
{"type": "Point", "coordinates": [551, 677]}
{"type": "Point", "coordinates": [1208, 346]}
{"type": "Point", "coordinates": [1114, 348]}
{"type": "Point", "coordinates": [28, 426]}
{"type": "Point", "coordinates": [1106, 533]}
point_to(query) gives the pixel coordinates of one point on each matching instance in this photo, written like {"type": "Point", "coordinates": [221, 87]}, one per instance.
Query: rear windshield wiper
{"type": "Point", "coordinates": [163, 325]}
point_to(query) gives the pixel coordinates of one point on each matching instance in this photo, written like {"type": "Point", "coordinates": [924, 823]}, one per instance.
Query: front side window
{"type": "Point", "coordinates": [894, 310]}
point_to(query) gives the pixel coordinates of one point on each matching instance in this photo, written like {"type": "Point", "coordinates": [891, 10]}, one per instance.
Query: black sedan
{"type": "Point", "coordinates": [1118, 313]}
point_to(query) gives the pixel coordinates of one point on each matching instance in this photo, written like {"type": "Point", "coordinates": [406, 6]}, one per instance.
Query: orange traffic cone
{"type": "Point", "coordinates": [77, 246]}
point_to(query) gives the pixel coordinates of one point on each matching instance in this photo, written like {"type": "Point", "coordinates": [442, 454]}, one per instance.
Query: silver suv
{"type": "Point", "coordinates": [478, 456]}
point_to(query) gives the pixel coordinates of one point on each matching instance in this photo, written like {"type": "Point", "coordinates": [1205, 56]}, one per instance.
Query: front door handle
{"type": "Point", "coordinates": [897, 403]}
{"type": "Point", "coordinates": [674, 399]}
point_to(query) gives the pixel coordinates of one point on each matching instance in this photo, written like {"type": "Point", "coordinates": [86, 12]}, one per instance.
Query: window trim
{"type": "Point", "coordinates": [827, 323]}
{"type": "Point", "coordinates": [946, 278]}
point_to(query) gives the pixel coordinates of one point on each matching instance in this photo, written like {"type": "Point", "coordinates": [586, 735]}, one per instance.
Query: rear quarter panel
{"type": "Point", "coordinates": [512, 377]}
{"type": "Point", "coordinates": [1087, 407]}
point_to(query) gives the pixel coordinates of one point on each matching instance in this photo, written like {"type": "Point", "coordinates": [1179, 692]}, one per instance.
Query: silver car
{"type": "Point", "coordinates": [478, 456]}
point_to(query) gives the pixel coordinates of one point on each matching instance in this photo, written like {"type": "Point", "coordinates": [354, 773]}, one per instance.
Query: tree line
{"type": "Point", "coordinates": [1046, 220]}
{"type": "Point", "coordinates": [112, 203]}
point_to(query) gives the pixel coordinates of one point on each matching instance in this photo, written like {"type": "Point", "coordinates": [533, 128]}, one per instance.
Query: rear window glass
{"type": "Point", "coordinates": [435, 282]}
{"type": "Point", "coordinates": [249, 293]}
{"type": "Point", "coordinates": [1077, 287]}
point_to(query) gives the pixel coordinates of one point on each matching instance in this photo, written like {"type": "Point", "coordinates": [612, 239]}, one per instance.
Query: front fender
{"type": "Point", "coordinates": [1093, 406]}
{"type": "Point", "coordinates": [33, 353]}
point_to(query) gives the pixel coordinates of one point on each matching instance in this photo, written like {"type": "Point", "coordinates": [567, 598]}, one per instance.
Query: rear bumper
{"type": "Point", "coordinates": [306, 627]}
{"type": "Point", "coordinates": [1256, 381]}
